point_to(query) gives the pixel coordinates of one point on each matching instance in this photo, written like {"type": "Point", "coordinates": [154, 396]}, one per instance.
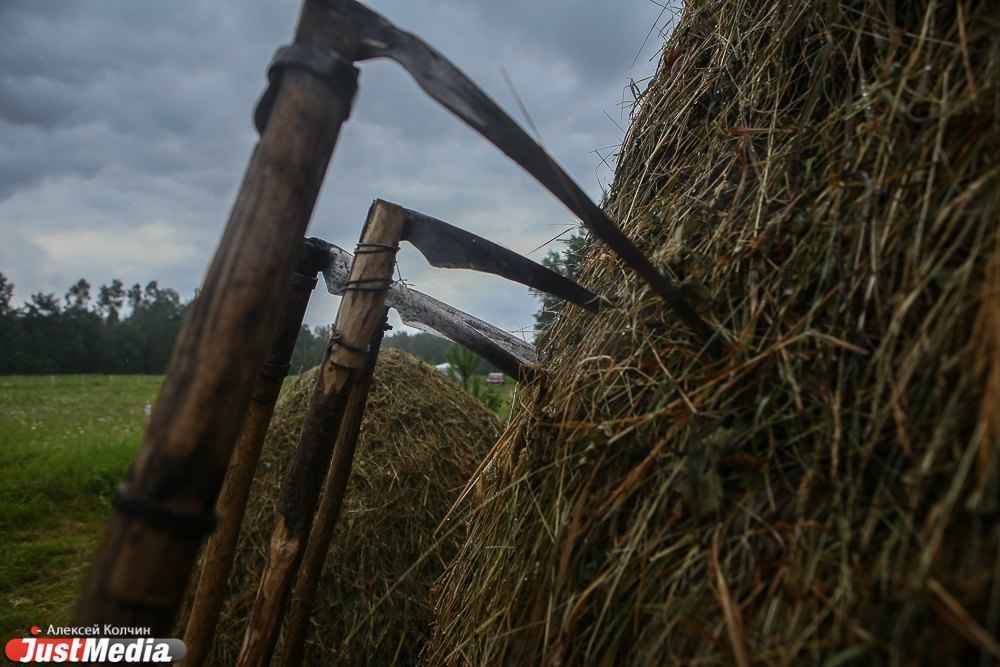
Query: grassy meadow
{"type": "Point", "coordinates": [65, 442]}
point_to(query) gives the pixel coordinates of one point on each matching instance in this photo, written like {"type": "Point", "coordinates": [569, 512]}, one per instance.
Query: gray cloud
{"type": "Point", "coordinates": [595, 38]}
{"type": "Point", "coordinates": [125, 128]}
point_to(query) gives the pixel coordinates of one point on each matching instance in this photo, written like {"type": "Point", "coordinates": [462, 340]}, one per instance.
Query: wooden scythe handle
{"type": "Point", "coordinates": [334, 489]}
{"type": "Point", "coordinates": [151, 541]}
{"type": "Point", "coordinates": [361, 311]}
{"type": "Point", "coordinates": [221, 547]}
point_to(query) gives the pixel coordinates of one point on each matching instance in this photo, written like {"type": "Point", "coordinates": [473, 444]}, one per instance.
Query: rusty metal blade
{"type": "Point", "coordinates": [375, 37]}
{"type": "Point", "coordinates": [450, 247]}
{"type": "Point", "coordinates": [510, 354]}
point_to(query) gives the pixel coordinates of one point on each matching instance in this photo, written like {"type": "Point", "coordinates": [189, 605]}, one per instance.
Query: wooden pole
{"type": "Point", "coordinates": [360, 312]}
{"type": "Point", "coordinates": [221, 547]}
{"type": "Point", "coordinates": [164, 509]}
{"type": "Point", "coordinates": [304, 593]}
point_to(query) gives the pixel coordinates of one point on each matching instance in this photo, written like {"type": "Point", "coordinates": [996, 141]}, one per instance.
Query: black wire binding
{"type": "Point", "coordinates": [376, 248]}
{"type": "Point", "coordinates": [276, 371]}
{"type": "Point", "coordinates": [329, 66]}
{"type": "Point", "coordinates": [351, 285]}
{"type": "Point", "coordinates": [300, 280]}
{"type": "Point", "coordinates": [337, 338]}
{"type": "Point", "coordinates": [163, 518]}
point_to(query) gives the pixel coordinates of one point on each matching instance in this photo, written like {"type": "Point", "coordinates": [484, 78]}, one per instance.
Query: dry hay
{"type": "Point", "coordinates": [421, 439]}
{"type": "Point", "coordinates": [822, 178]}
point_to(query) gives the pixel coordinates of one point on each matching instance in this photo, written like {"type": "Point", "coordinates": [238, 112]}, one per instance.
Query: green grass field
{"type": "Point", "coordinates": [493, 397]}
{"type": "Point", "coordinates": [502, 394]}
{"type": "Point", "coordinates": [65, 441]}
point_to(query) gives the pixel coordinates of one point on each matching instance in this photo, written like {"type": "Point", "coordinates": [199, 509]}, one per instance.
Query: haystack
{"type": "Point", "coordinates": [821, 178]}
{"type": "Point", "coordinates": [421, 440]}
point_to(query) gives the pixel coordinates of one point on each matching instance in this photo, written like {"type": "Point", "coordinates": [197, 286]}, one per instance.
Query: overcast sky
{"type": "Point", "coordinates": [125, 129]}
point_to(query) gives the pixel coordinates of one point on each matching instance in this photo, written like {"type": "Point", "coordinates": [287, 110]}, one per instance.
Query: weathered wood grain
{"type": "Point", "coordinates": [304, 592]}
{"type": "Point", "coordinates": [221, 547]}
{"type": "Point", "coordinates": [360, 312]}
{"type": "Point", "coordinates": [140, 573]}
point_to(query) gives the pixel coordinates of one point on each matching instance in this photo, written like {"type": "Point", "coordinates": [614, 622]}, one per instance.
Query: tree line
{"type": "Point", "coordinates": [123, 331]}
{"type": "Point", "coordinates": [566, 264]}
{"type": "Point", "coordinates": [132, 331]}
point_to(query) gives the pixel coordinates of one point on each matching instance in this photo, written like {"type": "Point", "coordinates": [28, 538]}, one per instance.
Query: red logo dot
{"type": "Point", "coordinates": [35, 630]}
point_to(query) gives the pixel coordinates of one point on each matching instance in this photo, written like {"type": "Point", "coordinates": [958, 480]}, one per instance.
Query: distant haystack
{"type": "Point", "coordinates": [822, 179]}
{"type": "Point", "coordinates": [421, 440]}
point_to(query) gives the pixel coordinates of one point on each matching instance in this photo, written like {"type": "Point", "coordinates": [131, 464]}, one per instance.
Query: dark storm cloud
{"type": "Point", "coordinates": [596, 37]}
{"type": "Point", "coordinates": [33, 101]}
{"type": "Point", "coordinates": [125, 128]}
{"type": "Point", "coordinates": [153, 85]}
